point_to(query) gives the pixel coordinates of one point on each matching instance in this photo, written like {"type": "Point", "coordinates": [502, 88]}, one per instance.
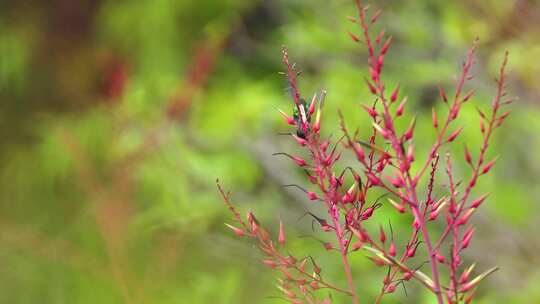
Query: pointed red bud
{"type": "Point", "coordinates": [437, 208]}
{"type": "Point", "coordinates": [468, 96]}
{"type": "Point", "coordinates": [466, 274]}
{"type": "Point", "coordinates": [477, 202]}
{"type": "Point", "coordinates": [410, 153]}
{"type": "Point", "coordinates": [400, 208]}
{"type": "Point", "coordinates": [372, 88]}
{"type": "Point", "coordinates": [236, 230]}
{"type": "Point", "coordinates": [312, 195]}
{"type": "Point", "coordinates": [382, 235]}
{"type": "Point", "coordinates": [467, 238]}
{"type": "Point", "coordinates": [443, 94]}
{"type": "Point", "coordinates": [468, 157]}
{"type": "Point", "coordinates": [392, 249]}
{"type": "Point", "coordinates": [454, 135]}
{"type": "Point", "coordinates": [401, 107]}
{"type": "Point", "coordinates": [354, 37]}
{"type": "Point", "coordinates": [373, 179]}
{"type": "Point", "coordinates": [465, 217]}
{"type": "Point", "coordinates": [488, 166]}
{"type": "Point", "coordinates": [371, 111]}
{"type": "Point", "coordinates": [311, 108]}
{"type": "Point", "coordinates": [359, 153]}
{"type": "Point", "coordinates": [288, 119]}
{"type": "Point", "coordinates": [281, 236]}
{"type": "Point", "coordinates": [386, 45]}
{"type": "Point", "coordinates": [440, 258]}
{"type": "Point", "coordinates": [434, 118]}
{"type": "Point", "coordinates": [375, 16]}
{"type": "Point", "coordinates": [395, 93]}
{"type": "Point", "coordinates": [299, 140]}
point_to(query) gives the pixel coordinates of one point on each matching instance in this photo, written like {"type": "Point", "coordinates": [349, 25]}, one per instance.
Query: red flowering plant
{"type": "Point", "coordinates": [385, 160]}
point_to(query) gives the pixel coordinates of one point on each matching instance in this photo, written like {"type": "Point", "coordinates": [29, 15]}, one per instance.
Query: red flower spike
{"type": "Point", "coordinates": [236, 230]}
{"type": "Point", "coordinates": [443, 94]}
{"type": "Point", "coordinates": [467, 238]}
{"type": "Point", "coordinates": [477, 202]}
{"type": "Point", "coordinates": [395, 93]}
{"type": "Point", "coordinates": [434, 118]}
{"type": "Point", "coordinates": [401, 107]}
{"type": "Point", "coordinates": [454, 135]}
{"type": "Point", "coordinates": [371, 111]}
{"type": "Point", "coordinates": [281, 236]}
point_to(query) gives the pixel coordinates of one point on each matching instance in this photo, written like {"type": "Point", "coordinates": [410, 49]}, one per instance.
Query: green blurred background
{"type": "Point", "coordinates": [116, 118]}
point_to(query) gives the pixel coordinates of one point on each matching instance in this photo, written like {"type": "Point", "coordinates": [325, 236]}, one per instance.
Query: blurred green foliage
{"type": "Point", "coordinates": [107, 195]}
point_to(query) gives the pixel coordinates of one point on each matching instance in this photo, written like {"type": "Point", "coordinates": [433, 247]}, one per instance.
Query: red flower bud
{"type": "Point", "coordinates": [386, 45]}
{"type": "Point", "coordinates": [443, 94]}
{"type": "Point", "coordinates": [468, 157]}
{"type": "Point", "coordinates": [395, 93]}
{"type": "Point", "coordinates": [401, 107]}
{"type": "Point", "coordinates": [289, 119]}
{"type": "Point", "coordinates": [477, 202]}
{"type": "Point", "coordinates": [281, 236]}
{"type": "Point", "coordinates": [236, 230]}
{"type": "Point", "coordinates": [467, 238]}
{"type": "Point", "coordinates": [354, 37]}
{"type": "Point", "coordinates": [382, 235]}
{"type": "Point", "coordinates": [371, 111]}
{"type": "Point", "coordinates": [465, 217]}
{"type": "Point", "coordinates": [454, 135]}
{"type": "Point", "coordinates": [488, 166]}
{"type": "Point", "coordinates": [392, 249]}
{"type": "Point", "coordinates": [440, 258]}
{"type": "Point", "coordinates": [434, 118]}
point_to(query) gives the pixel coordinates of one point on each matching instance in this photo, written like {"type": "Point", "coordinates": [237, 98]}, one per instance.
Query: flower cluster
{"type": "Point", "coordinates": [385, 160]}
